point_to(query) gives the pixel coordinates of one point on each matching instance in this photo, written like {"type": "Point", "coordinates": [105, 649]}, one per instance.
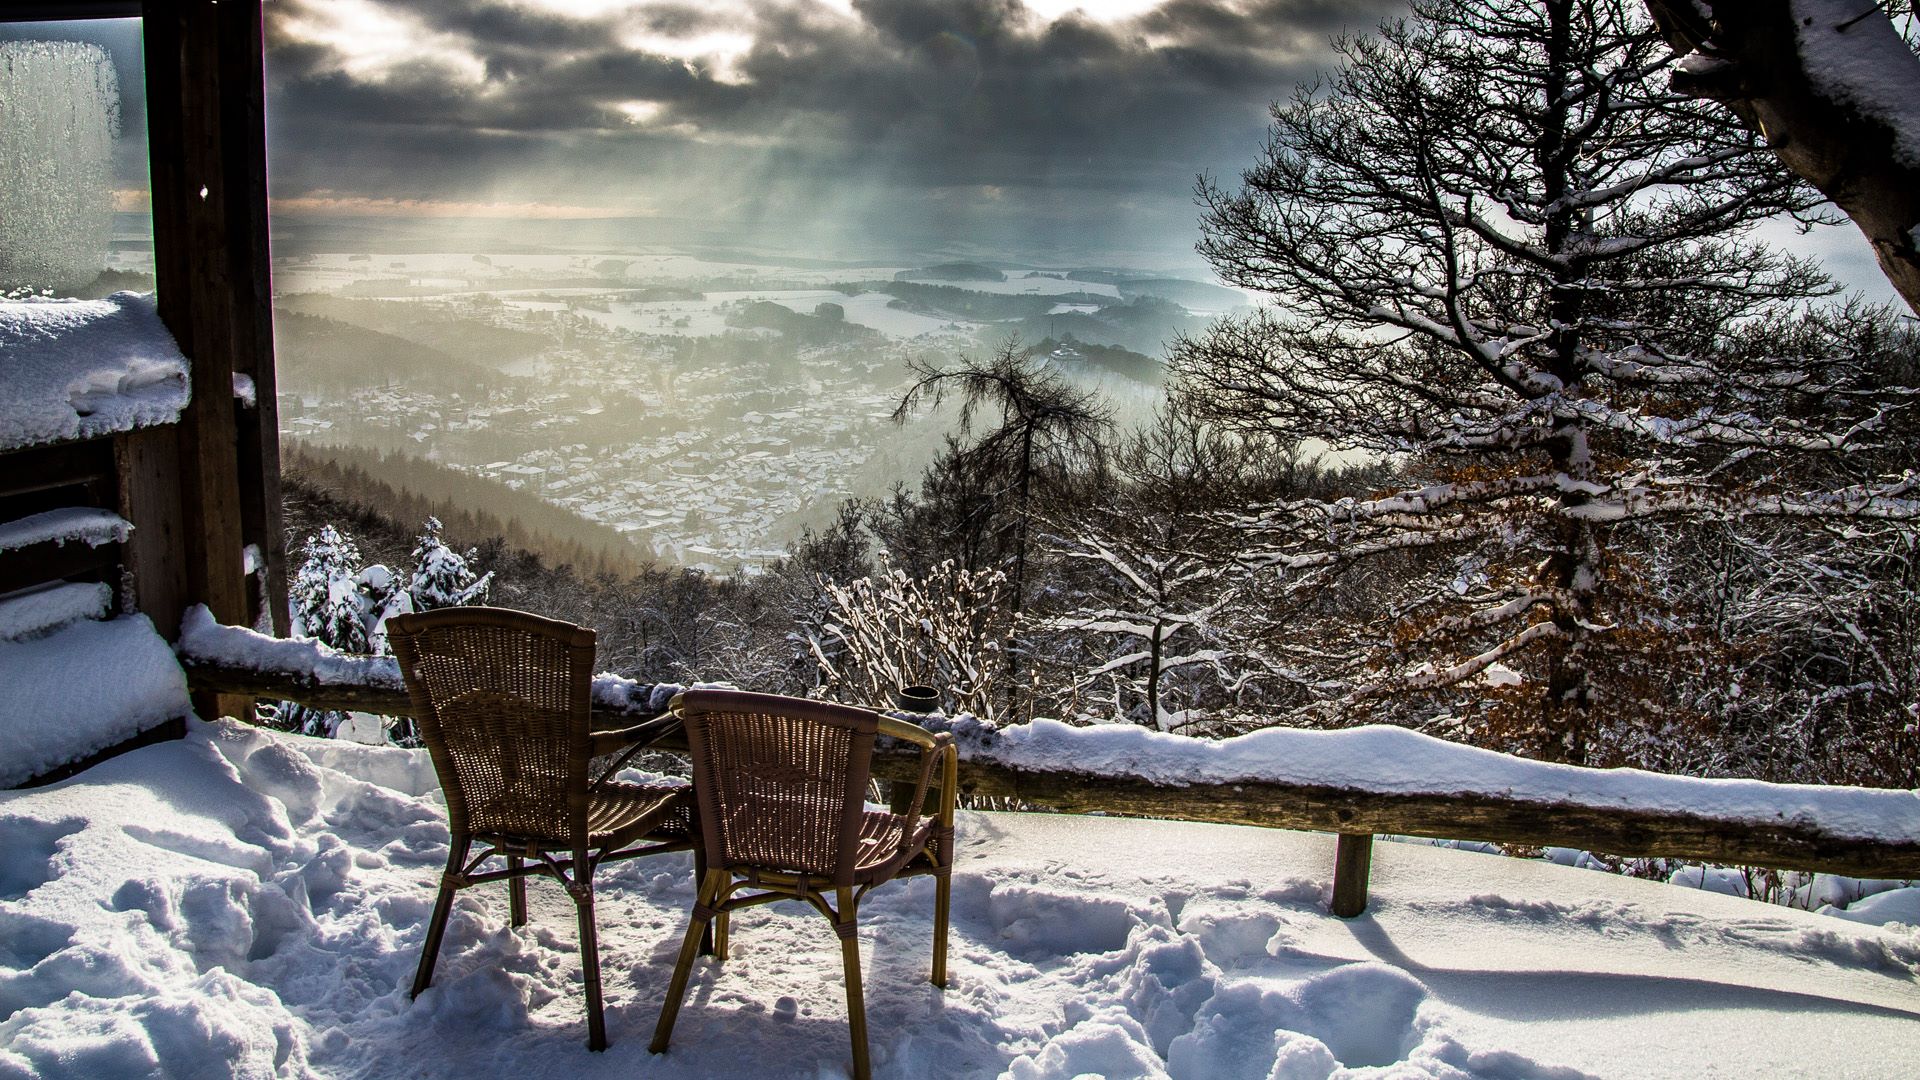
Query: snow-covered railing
{"type": "Point", "coordinates": [1357, 782]}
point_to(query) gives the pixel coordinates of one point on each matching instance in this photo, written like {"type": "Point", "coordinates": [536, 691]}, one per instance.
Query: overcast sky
{"type": "Point", "coordinates": [1046, 130]}
{"type": "Point", "coordinates": [981, 125]}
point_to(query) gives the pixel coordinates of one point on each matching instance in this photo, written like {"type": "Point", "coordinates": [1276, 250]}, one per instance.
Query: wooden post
{"type": "Point", "coordinates": [208, 161]}
{"type": "Point", "coordinates": [1352, 860]}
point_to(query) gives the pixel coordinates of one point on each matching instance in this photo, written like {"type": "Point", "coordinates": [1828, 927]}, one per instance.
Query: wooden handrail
{"type": "Point", "coordinates": [1787, 844]}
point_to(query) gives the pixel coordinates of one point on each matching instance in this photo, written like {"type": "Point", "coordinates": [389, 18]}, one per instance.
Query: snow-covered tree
{"type": "Point", "coordinates": [1042, 424]}
{"type": "Point", "coordinates": [1154, 610]}
{"type": "Point", "coordinates": [443, 577]}
{"type": "Point", "coordinates": [325, 605]}
{"type": "Point", "coordinates": [337, 601]}
{"type": "Point", "coordinates": [1503, 254]}
{"type": "Point", "coordinates": [1141, 615]}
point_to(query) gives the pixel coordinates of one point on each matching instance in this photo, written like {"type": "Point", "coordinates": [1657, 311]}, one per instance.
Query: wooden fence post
{"type": "Point", "coordinates": [1352, 859]}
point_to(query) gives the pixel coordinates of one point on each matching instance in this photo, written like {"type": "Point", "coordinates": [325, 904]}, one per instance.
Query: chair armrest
{"type": "Point", "coordinates": [628, 741]}
{"type": "Point", "coordinates": [939, 762]}
{"type": "Point", "coordinates": [913, 733]}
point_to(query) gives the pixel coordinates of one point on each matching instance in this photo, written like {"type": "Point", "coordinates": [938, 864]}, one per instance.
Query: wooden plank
{"type": "Point", "coordinates": [1786, 844]}
{"type": "Point", "coordinates": [1352, 861]}
{"type": "Point", "coordinates": [148, 467]}
{"type": "Point", "coordinates": [38, 564]}
{"type": "Point", "coordinates": [87, 465]}
{"type": "Point", "coordinates": [243, 121]}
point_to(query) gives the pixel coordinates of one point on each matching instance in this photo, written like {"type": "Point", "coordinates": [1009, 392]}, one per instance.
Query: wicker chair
{"type": "Point", "coordinates": [503, 699]}
{"type": "Point", "coordinates": [781, 784]}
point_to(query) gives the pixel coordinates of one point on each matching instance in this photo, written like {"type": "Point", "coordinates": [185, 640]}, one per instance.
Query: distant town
{"type": "Point", "coordinates": [667, 397]}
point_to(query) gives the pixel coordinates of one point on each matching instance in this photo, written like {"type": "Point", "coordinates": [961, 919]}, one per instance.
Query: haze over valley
{"type": "Point", "coordinates": [706, 405]}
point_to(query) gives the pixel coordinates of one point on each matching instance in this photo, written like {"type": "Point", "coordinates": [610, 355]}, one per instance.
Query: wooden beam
{"type": "Point", "coordinates": [243, 121]}
{"type": "Point", "coordinates": [37, 564]}
{"type": "Point", "coordinates": [87, 464]}
{"type": "Point", "coordinates": [205, 101]}
{"type": "Point", "coordinates": [1786, 844]}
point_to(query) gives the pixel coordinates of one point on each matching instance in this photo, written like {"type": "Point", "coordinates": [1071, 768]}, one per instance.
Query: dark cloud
{"type": "Point", "coordinates": [917, 113]}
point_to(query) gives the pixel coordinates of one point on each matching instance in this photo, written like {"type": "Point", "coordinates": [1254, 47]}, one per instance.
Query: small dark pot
{"type": "Point", "coordinates": [917, 699]}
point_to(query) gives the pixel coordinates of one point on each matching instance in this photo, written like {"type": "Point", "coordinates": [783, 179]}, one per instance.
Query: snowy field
{"type": "Point", "coordinates": [248, 904]}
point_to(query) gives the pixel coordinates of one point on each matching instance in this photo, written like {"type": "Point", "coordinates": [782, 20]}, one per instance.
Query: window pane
{"type": "Point", "coordinates": [74, 217]}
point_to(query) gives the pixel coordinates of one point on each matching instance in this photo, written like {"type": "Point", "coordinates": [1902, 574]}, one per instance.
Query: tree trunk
{"type": "Point", "coordinates": [1832, 128]}
{"type": "Point", "coordinates": [1153, 671]}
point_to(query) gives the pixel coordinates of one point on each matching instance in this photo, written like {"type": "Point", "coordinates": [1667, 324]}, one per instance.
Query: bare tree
{"type": "Point", "coordinates": [1502, 253]}
{"type": "Point", "coordinates": [1042, 423]}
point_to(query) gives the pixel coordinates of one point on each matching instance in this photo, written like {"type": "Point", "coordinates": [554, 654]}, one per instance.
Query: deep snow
{"type": "Point", "coordinates": [242, 903]}
{"type": "Point", "coordinates": [79, 369]}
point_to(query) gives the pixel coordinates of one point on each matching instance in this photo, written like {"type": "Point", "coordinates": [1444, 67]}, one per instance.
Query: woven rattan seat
{"type": "Point", "coordinates": [503, 699]}
{"type": "Point", "coordinates": [780, 789]}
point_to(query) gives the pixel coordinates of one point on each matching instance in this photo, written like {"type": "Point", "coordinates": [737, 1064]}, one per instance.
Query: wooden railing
{"type": "Point", "coordinates": [1355, 815]}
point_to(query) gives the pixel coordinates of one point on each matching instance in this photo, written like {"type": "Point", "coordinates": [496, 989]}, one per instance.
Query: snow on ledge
{"type": "Point", "coordinates": [77, 369]}
{"type": "Point", "coordinates": [1395, 761]}
{"type": "Point", "coordinates": [1379, 760]}
{"type": "Point", "coordinates": [82, 689]}
{"type": "Point", "coordinates": [85, 524]}
{"type": "Point", "coordinates": [31, 614]}
{"type": "Point", "coordinates": [202, 637]}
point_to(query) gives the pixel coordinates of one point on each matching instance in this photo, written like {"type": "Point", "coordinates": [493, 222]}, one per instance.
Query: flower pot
{"type": "Point", "coordinates": [917, 699]}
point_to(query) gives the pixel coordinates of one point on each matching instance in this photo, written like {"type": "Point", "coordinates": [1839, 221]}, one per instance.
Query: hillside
{"type": "Point", "coordinates": [953, 271]}
{"type": "Point", "coordinates": [317, 353]}
{"type": "Point", "coordinates": [387, 496]}
{"type": "Point", "coordinates": [474, 341]}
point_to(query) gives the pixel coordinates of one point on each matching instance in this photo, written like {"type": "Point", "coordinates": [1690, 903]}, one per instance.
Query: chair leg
{"type": "Point", "coordinates": [442, 907]}
{"type": "Point", "coordinates": [699, 882]}
{"type": "Point", "coordinates": [516, 892]}
{"type": "Point", "coordinates": [942, 905]}
{"type": "Point", "coordinates": [589, 958]}
{"type": "Point", "coordinates": [848, 927]}
{"type": "Point", "coordinates": [718, 938]}
{"type": "Point", "coordinates": [683, 967]}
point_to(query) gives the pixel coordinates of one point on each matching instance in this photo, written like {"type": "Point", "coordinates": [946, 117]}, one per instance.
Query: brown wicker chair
{"type": "Point", "coordinates": [781, 783]}
{"type": "Point", "coordinates": [503, 699]}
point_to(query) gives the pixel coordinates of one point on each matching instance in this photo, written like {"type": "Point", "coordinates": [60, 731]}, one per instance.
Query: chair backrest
{"type": "Point", "coordinates": [781, 782]}
{"type": "Point", "coordinates": [504, 701]}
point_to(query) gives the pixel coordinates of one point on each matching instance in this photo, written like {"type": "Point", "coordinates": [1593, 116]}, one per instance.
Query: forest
{"type": "Point", "coordinates": [1535, 444]}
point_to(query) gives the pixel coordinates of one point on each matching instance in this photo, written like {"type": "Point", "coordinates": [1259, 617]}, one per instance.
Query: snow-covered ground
{"type": "Point", "coordinates": [247, 904]}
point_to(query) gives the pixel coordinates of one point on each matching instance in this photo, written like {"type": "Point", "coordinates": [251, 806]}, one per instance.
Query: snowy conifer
{"type": "Point", "coordinates": [326, 607]}
{"type": "Point", "coordinates": [443, 577]}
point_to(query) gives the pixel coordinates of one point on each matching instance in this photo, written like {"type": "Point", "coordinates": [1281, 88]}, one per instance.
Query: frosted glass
{"type": "Point", "coordinates": [59, 114]}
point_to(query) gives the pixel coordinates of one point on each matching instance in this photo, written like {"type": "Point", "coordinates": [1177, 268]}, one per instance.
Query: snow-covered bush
{"type": "Point", "coordinates": [946, 630]}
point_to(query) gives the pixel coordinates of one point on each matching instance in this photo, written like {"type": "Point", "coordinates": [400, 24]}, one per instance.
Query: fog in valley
{"type": "Point", "coordinates": [705, 405]}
